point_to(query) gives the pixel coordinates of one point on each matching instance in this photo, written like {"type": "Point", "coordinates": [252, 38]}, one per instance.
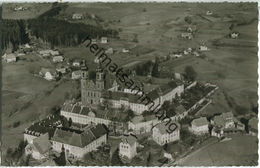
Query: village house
{"type": "Point", "coordinates": [76, 63]}
{"type": "Point", "coordinates": [56, 59]}
{"type": "Point", "coordinates": [234, 35]}
{"type": "Point", "coordinates": [128, 147]}
{"type": "Point", "coordinates": [186, 36]}
{"type": "Point", "coordinates": [109, 51]}
{"type": "Point", "coordinates": [76, 74]}
{"type": "Point", "coordinates": [47, 53]}
{"type": "Point", "coordinates": [125, 50]}
{"type": "Point", "coordinates": [77, 143]}
{"type": "Point", "coordinates": [103, 40]}
{"type": "Point", "coordinates": [94, 41]}
{"type": "Point", "coordinates": [253, 126]}
{"type": "Point", "coordinates": [140, 124]}
{"type": "Point", "coordinates": [208, 13]}
{"type": "Point", "coordinates": [62, 70]}
{"type": "Point", "coordinates": [77, 16]}
{"type": "Point", "coordinates": [203, 48]}
{"type": "Point", "coordinates": [39, 148]}
{"type": "Point", "coordinates": [191, 29]}
{"type": "Point", "coordinates": [226, 123]}
{"type": "Point", "coordinates": [9, 57]}
{"type": "Point", "coordinates": [48, 74]}
{"type": "Point", "coordinates": [199, 126]}
{"type": "Point", "coordinates": [162, 136]}
{"type": "Point", "coordinates": [196, 54]}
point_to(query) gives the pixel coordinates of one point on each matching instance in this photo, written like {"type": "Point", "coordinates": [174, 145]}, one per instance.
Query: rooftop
{"type": "Point", "coordinates": [200, 122]}
{"type": "Point", "coordinates": [80, 139]}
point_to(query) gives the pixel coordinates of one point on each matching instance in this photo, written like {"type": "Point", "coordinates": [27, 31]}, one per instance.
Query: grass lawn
{"type": "Point", "coordinates": [240, 151]}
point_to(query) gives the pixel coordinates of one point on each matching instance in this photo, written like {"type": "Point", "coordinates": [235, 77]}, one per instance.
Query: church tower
{"type": "Point", "coordinates": [84, 82]}
{"type": "Point", "coordinates": [100, 78]}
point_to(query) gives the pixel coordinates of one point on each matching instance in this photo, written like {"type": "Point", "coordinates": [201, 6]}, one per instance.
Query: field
{"type": "Point", "coordinates": [33, 10]}
{"type": "Point", "coordinates": [240, 150]}
{"type": "Point", "coordinates": [28, 98]}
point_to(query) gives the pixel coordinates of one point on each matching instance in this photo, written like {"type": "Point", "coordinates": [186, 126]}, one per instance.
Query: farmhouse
{"type": "Point", "coordinates": [78, 143]}
{"type": "Point", "coordinates": [203, 48]}
{"type": "Point", "coordinates": [199, 126]}
{"type": "Point", "coordinates": [128, 146]}
{"type": "Point", "coordinates": [234, 35]}
{"type": "Point", "coordinates": [76, 63]}
{"type": "Point", "coordinates": [109, 51]}
{"type": "Point", "coordinates": [48, 74]}
{"type": "Point", "coordinates": [9, 57]}
{"type": "Point", "coordinates": [104, 40]}
{"type": "Point", "coordinates": [39, 148]}
{"type": "Point", "coordinates": [162, 136]}
{"type": "Point", "coordinates": [56, 59]}
{"type": "Point", "coordinates": [186, 36]}
{"type": "Point", "coordinates": [226, 123]}
{"type": "Point", "coordinates": [77, 16]}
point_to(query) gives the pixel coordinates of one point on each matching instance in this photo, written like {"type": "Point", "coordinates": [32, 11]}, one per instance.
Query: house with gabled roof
{"type": "Point", "coordinates": [226, 123]}
{"type": "Point", "coordinates": [78, 143]}
{"type": "Point", "coordinates": [162, 135]}
{"type": "Point", "coordinates": [39, 148]}
{"type": "Point", "coordinates": [128, 146]}
{"type": "Point", "coordinates": [199, 126]}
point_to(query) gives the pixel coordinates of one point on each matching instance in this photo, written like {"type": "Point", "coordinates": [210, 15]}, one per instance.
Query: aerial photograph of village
{"type": "Point", "coordinates": [129, 84]}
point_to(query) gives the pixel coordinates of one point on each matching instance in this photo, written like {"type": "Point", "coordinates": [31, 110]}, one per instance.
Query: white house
{"type": "Point", "coordinates": [128, 146]}
{"type": "Point", "coordinates": [76, 74]}
{"type": "Point", "coordinates": [209, 13]}
{"type": "Point", "coordinates": [76, 63]}
{"type": "Point", "coordinates": [77, 144]}
{"type": "Point", "coordinates": [203, 48]}
{"type": "Point", "coordinates": [140, 124]}
{"type": "Point", "coordinates": [57, 59]}
{"type": "Point", "coordinates": [163, 134]}
{"type": "Point", "coordinates": [125, 50]}
{"type": "Point", "coordinates": [109, 51]}
{"type": "Point", "coordinates": [77, 16]}
{"type": "Point", "coordinates": [104, 40]}
{"type": "Point", "coordinates": [234, 35]}
{"type": "Point", "coordinates": [199, 126]}
{"type": "Point", "coordinates": [9, 57]}
{"type": "Point", "coordinates": [48, 74]}
{"type": "Point", "coordinates": [186, 36]}
{"type": "Point", "coordinates": [39, 148]}
{"type": "Point", "coordinates": [226, 123]}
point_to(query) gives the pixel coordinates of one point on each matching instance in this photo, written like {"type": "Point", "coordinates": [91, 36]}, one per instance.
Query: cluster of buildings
{"type": "Point", "coordinates": [49, 135]}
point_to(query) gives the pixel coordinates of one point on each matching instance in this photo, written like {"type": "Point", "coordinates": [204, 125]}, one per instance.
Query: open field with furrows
{"type": "Point", "coordinates": [240, 150]}
{"type": "Point", "coordinates": [32, 10]}
{"type": "Point", "coordinates": [27, 98]}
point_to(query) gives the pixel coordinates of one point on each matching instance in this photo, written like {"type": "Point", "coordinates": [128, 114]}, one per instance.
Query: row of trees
{"type": "Point", "coordinates": [148, 68]}
{"type": "Point", "coordinates": [12, 32]}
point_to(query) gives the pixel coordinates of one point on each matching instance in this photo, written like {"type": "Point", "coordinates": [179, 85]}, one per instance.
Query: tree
{"type": "Point", "coordinates": [190, 73]}
{"type": "Point", "coordinates": [149, 159]}
{"type": "Point", "coordinates": [70, 122]}
{"type": "Point", "coordinates": [155, 70]}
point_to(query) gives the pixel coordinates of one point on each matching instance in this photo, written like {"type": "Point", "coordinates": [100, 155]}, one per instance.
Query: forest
{"type": "Point", "coordinates": [54, 31]}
